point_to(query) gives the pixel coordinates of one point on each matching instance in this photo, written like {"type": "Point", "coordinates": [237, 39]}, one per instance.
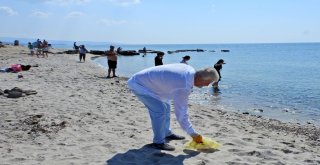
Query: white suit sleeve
{"type": "Point", "coordinates": [180, 102]}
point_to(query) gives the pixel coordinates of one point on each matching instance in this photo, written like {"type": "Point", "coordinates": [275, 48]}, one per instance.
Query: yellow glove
{"type": "Point", "coordinates": [197, 138]}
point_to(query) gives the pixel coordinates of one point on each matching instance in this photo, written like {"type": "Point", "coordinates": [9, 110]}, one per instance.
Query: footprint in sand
{"type": "Point", "coordinates": [234, 150]}
{"type": "Point", "coordinates": [228, 144]}
{"type": "Point", "coordinates": [247, 139]}
{"type": "Point", "coordinates": [286, 151]}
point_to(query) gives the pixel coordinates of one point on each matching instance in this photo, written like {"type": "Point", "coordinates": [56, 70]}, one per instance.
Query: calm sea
{"type": "Point", "coordinates": [280, 81]}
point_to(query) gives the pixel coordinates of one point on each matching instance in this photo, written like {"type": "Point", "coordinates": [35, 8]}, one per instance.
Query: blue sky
{"type": "Point", "coordinates": [163, 21]}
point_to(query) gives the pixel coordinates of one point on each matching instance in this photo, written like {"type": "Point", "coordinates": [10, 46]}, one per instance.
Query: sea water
{"type": "Point", "coordinates": [279, 81]}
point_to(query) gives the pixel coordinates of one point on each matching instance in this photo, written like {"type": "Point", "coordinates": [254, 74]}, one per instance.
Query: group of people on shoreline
{"type": "Point", "coordinates": [185, 59]}
{"type": "Point", "coordinates": [39, 48]}
{"type": "Point", "coordinates": [112, 61]}
{"type": "Point", "coordinates": [159, 57]}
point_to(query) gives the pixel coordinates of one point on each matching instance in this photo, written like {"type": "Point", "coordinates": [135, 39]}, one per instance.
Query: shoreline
{"type": "Point", "coordinates": [78, 116]}
{"type": "Point", "coordinates": [270, 123]}
{"type": "Point", "coordinates": [226, 101]}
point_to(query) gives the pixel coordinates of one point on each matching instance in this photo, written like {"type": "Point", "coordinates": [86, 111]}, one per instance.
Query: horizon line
{"type": "Point", "coordinates": [122, 43]}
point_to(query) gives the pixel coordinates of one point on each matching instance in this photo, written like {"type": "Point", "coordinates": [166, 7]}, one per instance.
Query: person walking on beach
{"type": "Point", "coordinates": [218, 67]}
{"type": "Point", "coordinates": [39, 47]}
{"type": "Point", "coordinates": [45, 48]}
{"type": "Point", "coordinates": [112, 61]}
{"type": "Point", "coordinates": [155, 87]}
{"type": "Point", "coordinates": [30, 46]}
{"type": "Point", "coordinates": [82, 53]}
{"type": "Point", "coordinates": [185, 59]}
{"type": "Point", "coordinates": [158, 59]}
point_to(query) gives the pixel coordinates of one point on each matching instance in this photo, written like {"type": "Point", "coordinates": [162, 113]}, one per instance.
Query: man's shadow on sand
{"type": "Point", "coordinates": [149, 155]}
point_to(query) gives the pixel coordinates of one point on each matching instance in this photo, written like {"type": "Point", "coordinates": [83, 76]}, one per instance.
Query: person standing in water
{"type": "Point", "coordinates": [158, 59]}
{"type": "Point", "coordinates": [185, 59]}
{"type": "Point", "coordinates": [218, 67]}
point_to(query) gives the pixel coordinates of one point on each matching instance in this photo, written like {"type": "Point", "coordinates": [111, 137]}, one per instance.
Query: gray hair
{"type": "Point", "coordinates": [208, 74]}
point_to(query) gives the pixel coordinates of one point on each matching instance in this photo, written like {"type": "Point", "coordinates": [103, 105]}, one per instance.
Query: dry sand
{"type": "Point", "coordinates": [80, 117]}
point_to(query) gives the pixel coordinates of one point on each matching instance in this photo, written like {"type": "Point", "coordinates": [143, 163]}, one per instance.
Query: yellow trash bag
{"type": "Point", "coordinates": [207, 144]}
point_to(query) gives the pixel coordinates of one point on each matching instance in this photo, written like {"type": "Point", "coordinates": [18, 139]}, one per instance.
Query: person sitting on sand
{"type": "Point", "coordinates": [218, 67]}
{"type": "Point", "coordinates": [158, 59]}
{"type": "Point", "coordinates": [156, 86]}
{"type": "Point", "coordinates": [185, 59]}
{"type": "Point", "coordinates": [112, 61]}
{"type": "Point", "coordinates": [82, 53]}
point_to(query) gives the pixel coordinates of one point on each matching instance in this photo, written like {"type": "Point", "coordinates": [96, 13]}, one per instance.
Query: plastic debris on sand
{"type": "Point", "coordinates": [207, 144]}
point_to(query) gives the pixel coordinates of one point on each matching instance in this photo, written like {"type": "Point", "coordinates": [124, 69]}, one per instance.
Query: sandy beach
{"type": "Point", "coordinates": [80, 117]}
